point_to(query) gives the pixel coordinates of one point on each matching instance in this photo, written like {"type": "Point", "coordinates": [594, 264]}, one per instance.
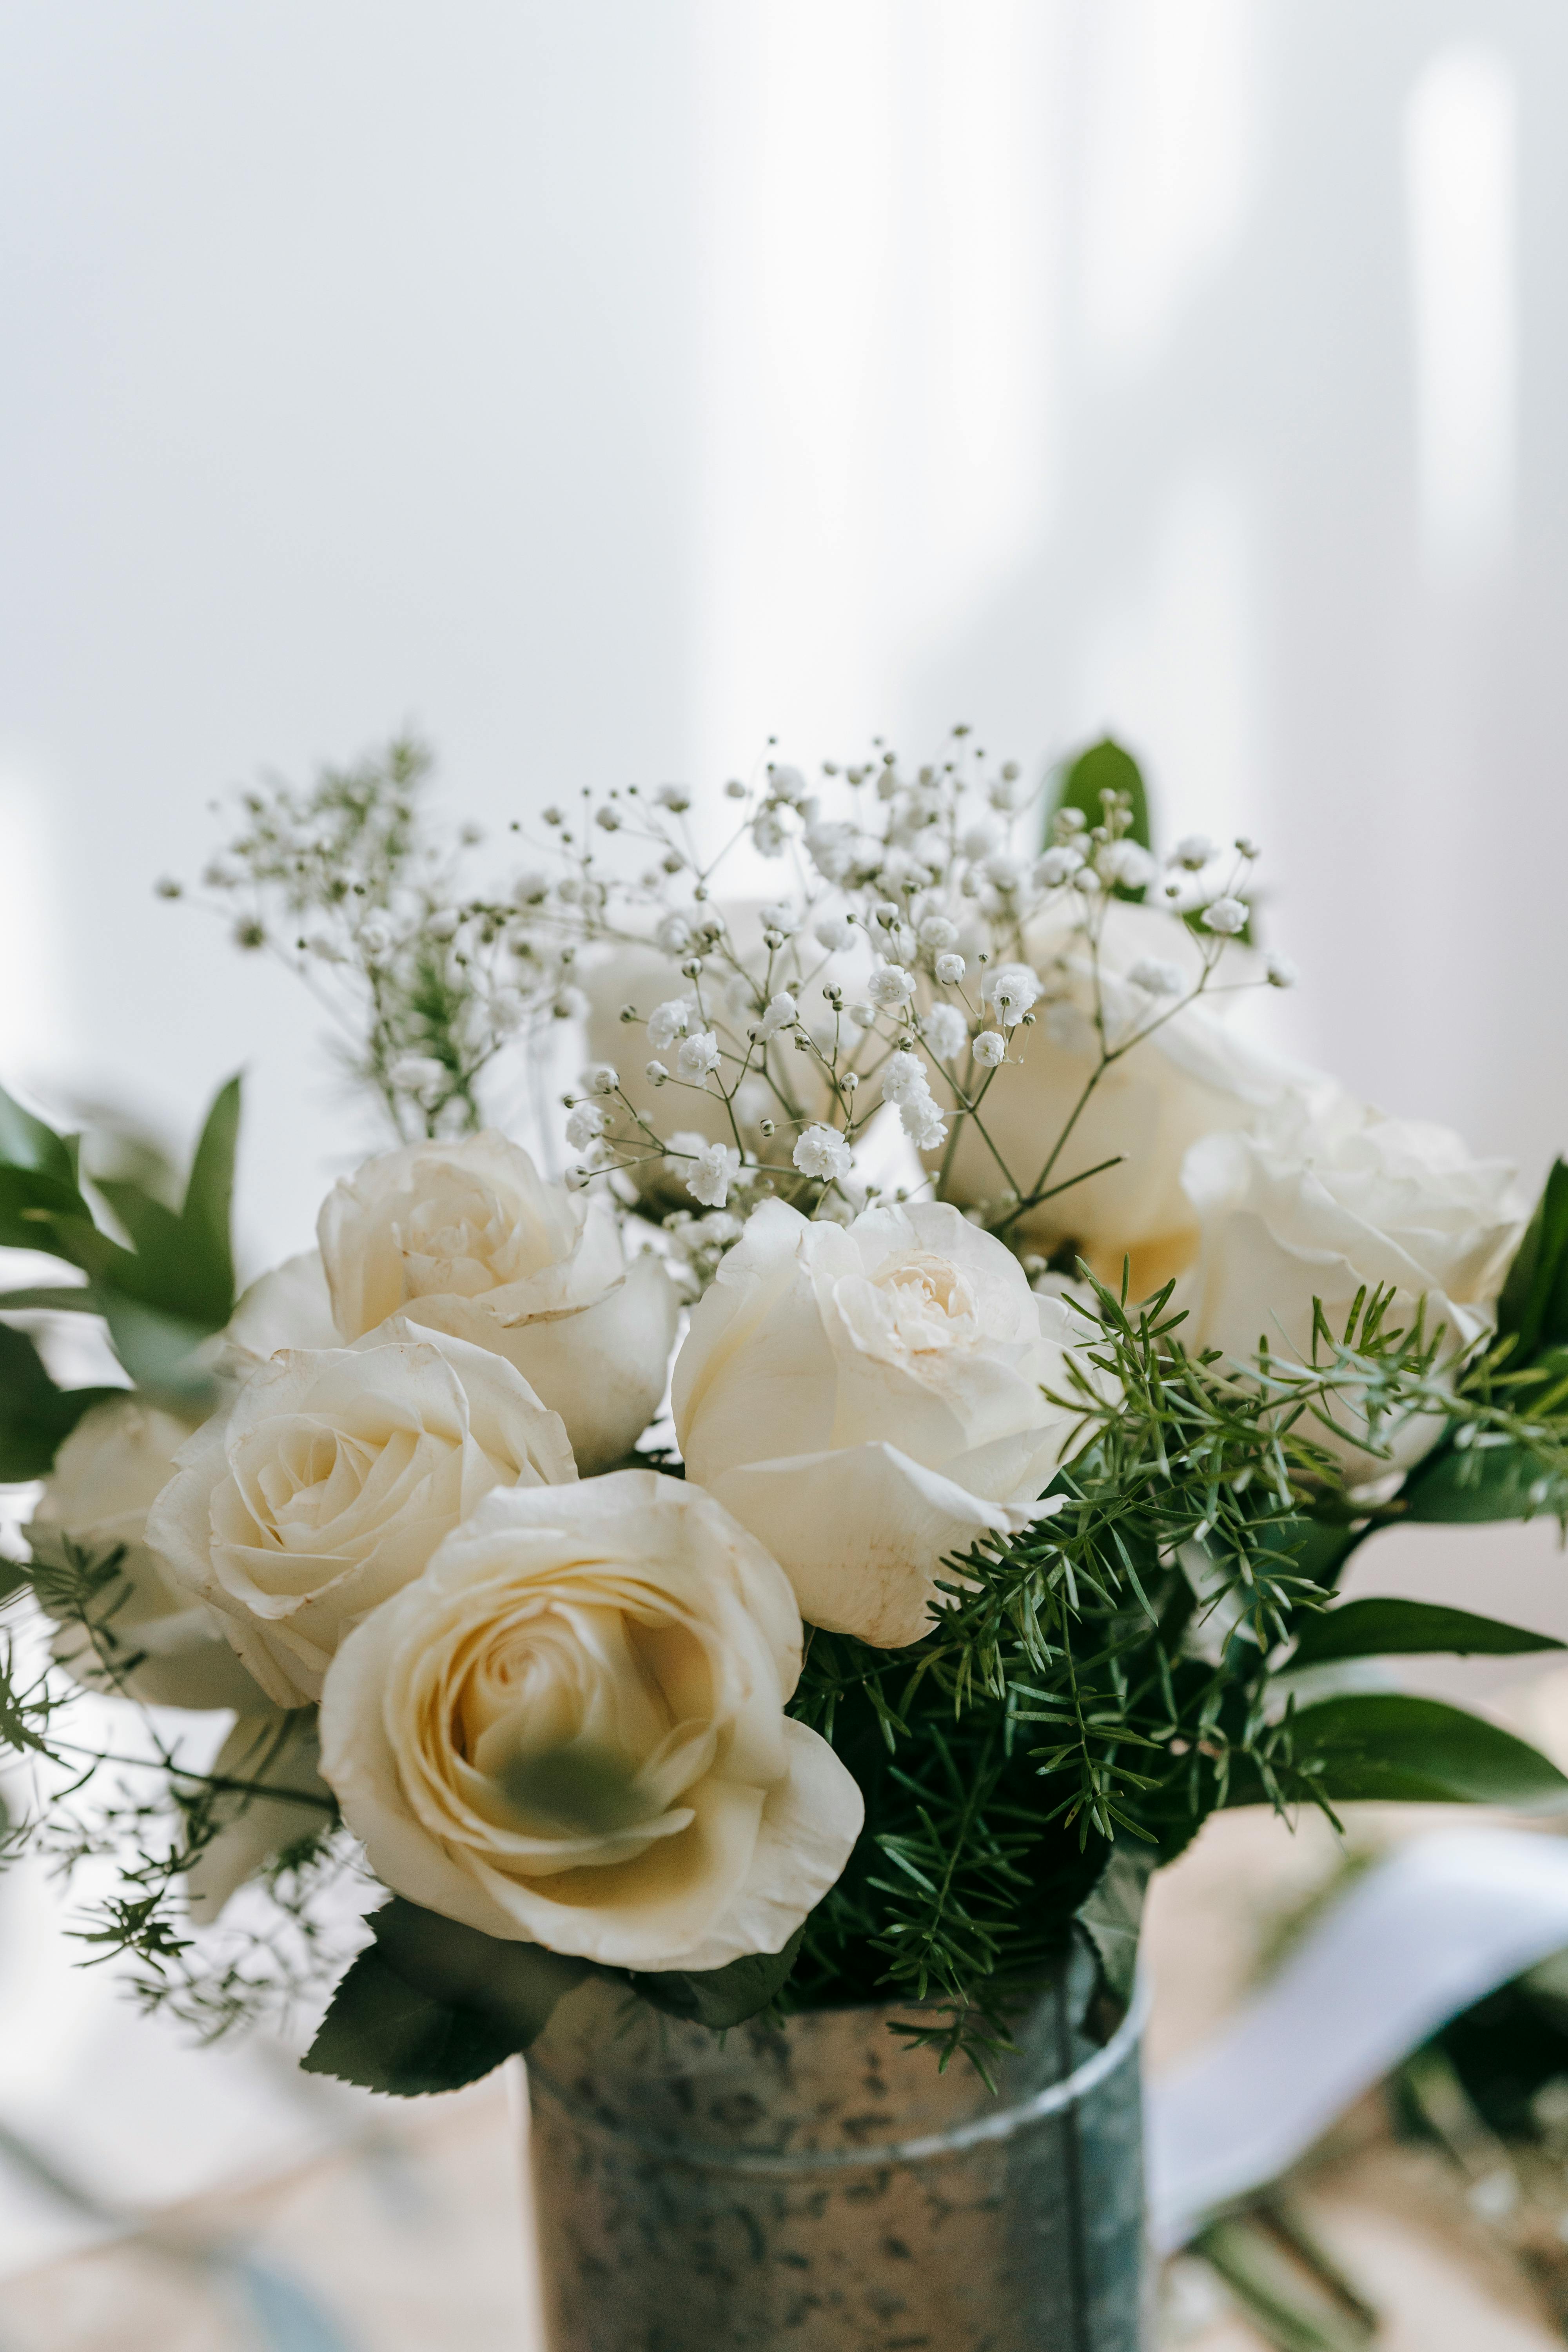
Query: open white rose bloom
{"type": "Point", "coordinates": [871, 1401]}
{"type": "Point", "coordinates": [964, 1580]}
{"type": "Point", "coordinates": [572, 1730]}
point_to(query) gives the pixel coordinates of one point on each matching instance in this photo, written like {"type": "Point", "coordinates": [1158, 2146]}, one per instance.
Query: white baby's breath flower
{"type": "Point", "coordinates": [862, 1016]}
{"type": "Point", "coordinates": [1159, 979]}
{"type": "Point", "coordinates": [655, 1072]}
{"type": "Point", "coordinates": [1281, 972]}
{"type": "Point", "coordinates": [936, 932]}
{"type": "Point", "coordinates": [1126, 863]}
{"type": "Point", "coordinates": [697, 1056]}
{"type": "Point", "coordinates": [891, 986]}
{"type": "Point", "coordinates": [782, 1013]}
{"type": "Point", "coordinates": [822, 1152]}
{"type": "Point", "coordinates": [669, 1022]}
{"type": "Point", "coordinates": [673, 934]}
{"type": "Point", "coordinates": [767, 834]}
{"type": "Point", "coordinates": [781, 917]}
{"type": "Point", "coordinates": [376, 935]}
{"type": "Point", "coordinates": [979, 841]}
{"type": "Point", "coordinates": [710, 1172]}
{"type": "Point", "coordinates": [584, 1125]}
{"type": "Point", "coordinates": [906, 1086]}
{"type": "Point", "coordinates": [1011, 988]}
{"type": "Point", "coordinates": [945, 1031]}
{"type": "Point", "coordinates": [990, 1048]}
{"type": "Point", "coordinates": [418, 1073]}
{"type": "Point", "coordinates": [600, 1078]}
{"type": "Point", "coordinates": [1227, 916]}
{"type": "Point", "coordinates": [1004, 873]}
{"type": "Point", "coordinates": [834, 932]}
{"type": "Point", "coordinates": [1057, 867]}
{"type": "Point", "coordinates": [1193, 851]}
{"type": "Point", "coordinates": [786, 784]}
{"type": "Point", "coordinates": [950, 970]}
{"type": "Point", "coordinates": [443, 924]}
{"type": "Point", "coordinates": [674, 797]}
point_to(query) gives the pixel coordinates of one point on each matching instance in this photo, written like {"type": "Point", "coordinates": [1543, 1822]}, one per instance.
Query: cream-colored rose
{"type": "Point", "coordinates": [153, 1641]}
{"type": "Point", "coordinates": [330, 1481]}
{"type": "Point", "coordinates": [1328, 1197]}
{"type": "Point", "coordinates": [571, 1732]}
{"type": "Point", "coordinates": [868, 1399]}
{"type": "Point", "coordinates": [468, 1238]}
{"type": "Point", "coordinates": [1190, 1077]}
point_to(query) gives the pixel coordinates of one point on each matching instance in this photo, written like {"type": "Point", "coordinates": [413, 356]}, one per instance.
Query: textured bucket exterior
{"type": "Point", "coordinates": [823, 2188]}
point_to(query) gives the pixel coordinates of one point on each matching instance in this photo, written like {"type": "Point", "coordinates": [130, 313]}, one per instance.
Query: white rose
{"type": "Point", "coordinates": [868, 1401]}
{"type": "Point", "coordinates": [1191, 1078]}
{"type": "Point", "coordinates": [468, 1238]}
{"type": "Point", "coordinates": [571, 1732]}
{"type": "Point", "coordinates": [331, 1480]}
{"type": "Point", "coordinates": [1326, 1197]}
{"type": "Point", "coordinates": [154, 1643]}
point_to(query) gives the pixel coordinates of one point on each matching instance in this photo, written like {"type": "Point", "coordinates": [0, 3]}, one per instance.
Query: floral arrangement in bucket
{"type": "Point", "coordinates": [1042, 1348]}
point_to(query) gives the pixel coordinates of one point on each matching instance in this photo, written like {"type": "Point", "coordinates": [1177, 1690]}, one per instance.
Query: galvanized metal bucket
{"type": "Point", "coordinates": [825, 2188]}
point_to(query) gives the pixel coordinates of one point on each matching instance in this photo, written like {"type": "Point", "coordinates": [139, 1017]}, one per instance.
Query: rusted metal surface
{"type": "Point", "coordinates": [823, 2188]}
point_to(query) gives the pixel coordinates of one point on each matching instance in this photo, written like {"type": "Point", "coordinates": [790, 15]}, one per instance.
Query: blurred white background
{"type": "Point", "coordinates": [606, 386]}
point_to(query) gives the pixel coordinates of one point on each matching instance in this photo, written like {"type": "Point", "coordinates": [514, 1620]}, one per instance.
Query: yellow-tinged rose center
{"type": "Point", "coordinates": [928, 1302]}
{"type": "Point", "coordinates": [466, 1238]}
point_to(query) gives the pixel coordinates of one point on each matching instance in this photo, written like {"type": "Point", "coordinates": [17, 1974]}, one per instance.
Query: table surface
{"type": "Point", "coordinates": [411, 2235]}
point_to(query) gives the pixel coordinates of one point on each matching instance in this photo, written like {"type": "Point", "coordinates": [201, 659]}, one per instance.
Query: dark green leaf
{"type": "Point", "coordinates": [159, 1352]}
{"type": "Point", "coordinates": [1377, 1628]}
{"type": "Point", "coordinates": [56, 1297]}
{"type": "Point", "coordinates": [1533, 1304]}
{"type": "Point", "coordinates": [1104, 767]}
{"type": "Point", "coordinates": [432, 2004]}
{"type": "Point", "coordinates": [1386, 1745]}
{"type": "Point", "coordinates": [36, 1417]}
{"type": "Point", "coordinates": [1315, 1548]}
{"type": "Point", "coordinates": [1475, 1484]}
{"type": "Point", "coordinates": [1113, 1915]}
{"type": "Point", "coordinates": [35, 1209]}
{"type": "Point", "coordinates": [27, 1142]}
{"type": "Point", "coordinates": [722, 1996]}
{"type": "Point", "coordinates": [209, 1195]}
{"type": "Point", "coordinates": [14, 1578]}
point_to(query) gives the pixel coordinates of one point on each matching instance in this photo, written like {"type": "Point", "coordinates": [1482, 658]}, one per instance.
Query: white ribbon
{"type": "Point", "coordinates": [1442, 1922]}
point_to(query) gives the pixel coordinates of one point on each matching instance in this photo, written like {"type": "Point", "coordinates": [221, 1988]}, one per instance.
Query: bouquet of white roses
{"type": "Point", "coordinates": [1037, 1353]}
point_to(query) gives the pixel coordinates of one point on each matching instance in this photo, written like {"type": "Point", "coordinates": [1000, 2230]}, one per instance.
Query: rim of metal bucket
{"type": "Point", "coordinates": [1053, 2100]}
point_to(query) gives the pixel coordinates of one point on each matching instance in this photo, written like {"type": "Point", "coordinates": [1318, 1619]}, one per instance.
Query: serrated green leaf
{"type": "Point", "coordinates": [431, 2004]}
{"type": "Point", "coordinates": [27, 1142]}
{"type": "Point", "coordinates": [1104, 767]}
{"type": "Point", "coordinates": [36, 1416]}
{"type": "Point", "coordinates": [1386, 1628]}
{"type": "Point", "coordinates": [1386, 1745]}
{"type": "Point", "coordinates": [1532, 1306]}
{"type": "Point", "coordinates": [1113, 1915]}
{"type": "Point", "coordinates": [721, 1996]}
{"type": "Point", "coordinates": [1474, 1485]}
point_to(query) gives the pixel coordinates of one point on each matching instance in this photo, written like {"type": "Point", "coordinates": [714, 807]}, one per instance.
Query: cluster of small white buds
{"type": "Point", "coordinates": [1013, 989]}
{"type": "Point", "coordinates": [584, 1125]}
{"type": "Point", "coordinates": [906, 1086]}
{"type": "Point", "coordinates": [782, 1013]}
{"type": "Point", "coordinates": [945, 1032]}
{"type": "Point", "coordinates": [1226, 916]}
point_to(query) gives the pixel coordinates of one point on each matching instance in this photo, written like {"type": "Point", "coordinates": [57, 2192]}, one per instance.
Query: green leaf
{"type": "Point", "coordinates": [1533, 1305]}
{"type": "Point", "coordinates": [36, 1211]}
{"type": "Point", "coordinates": [56, 1297]}
{"type": "Point", "coordinates": [1113, 1913]}
{"type": "Point", "coordinates": [1386, 1628]}
{"type": "Point", "coordinates": [209, 1196]}
{"type": "Point", "coordinates": [14, 1578]}
{"type": "Point", "coordinates": [27, 1142]}
{"type": "Point", "coordinates": [721, 1996]}
{"type": "Point", "coordinates": [1474, 1484]}
{"type": "Point", "coordinates": [1315, 1548]}
{"type": "Point", "coordinates": [431, 2004]}
{"type": "Point", "coordinates": [1104, 767]}
{"type": "Point", "coordinates": [1386, 1745]}
{"type": "Point", "coordinates": [36, 1416]}
{"type": "Point", "coordinates": [159, 1351]}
